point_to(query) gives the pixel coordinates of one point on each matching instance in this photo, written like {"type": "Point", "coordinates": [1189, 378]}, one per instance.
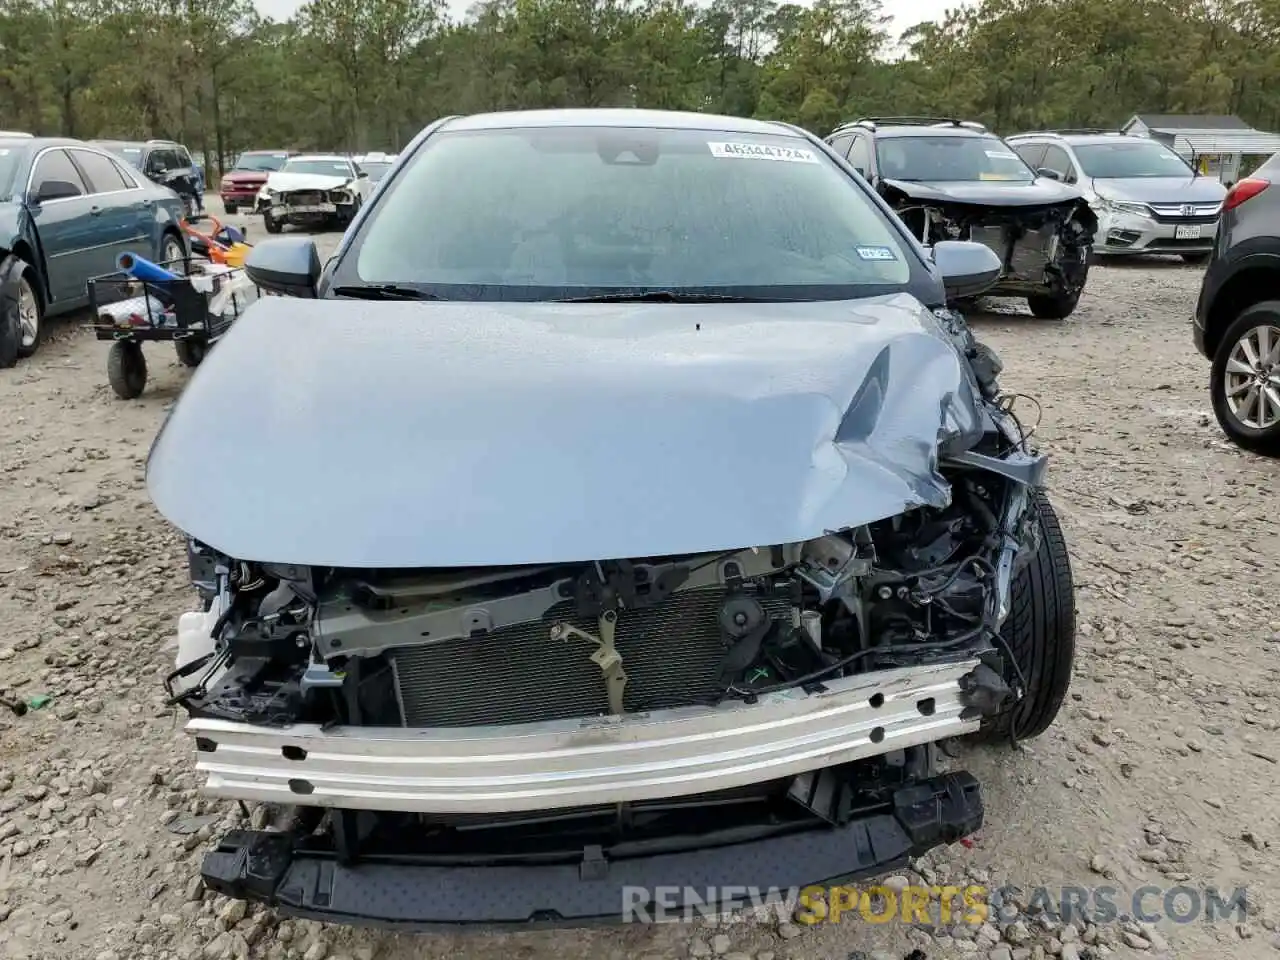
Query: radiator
{"type": "Point", "coordinates": [671, 654]}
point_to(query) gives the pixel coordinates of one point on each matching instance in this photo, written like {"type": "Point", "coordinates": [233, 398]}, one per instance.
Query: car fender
{"type": "Point", "coordinates": [11, 269]}
{"type": "Point", "coordinates": [164, 219]}
{"type": "Point", "coordinates": [17, 228]}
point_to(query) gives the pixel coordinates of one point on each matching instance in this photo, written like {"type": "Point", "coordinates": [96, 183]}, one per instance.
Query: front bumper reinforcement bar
{"type": "Point", "coordinates": [600, 760]}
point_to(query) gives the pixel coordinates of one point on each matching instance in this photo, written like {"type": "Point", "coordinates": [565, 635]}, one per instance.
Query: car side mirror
{"type": "Point", "coordinates": [1046, 172]}
{"type": "Point", "coordinates": [54, 190]}
{"type": "Point", "coordinates": [967, 268]}
{"type": "Point", "coordinates": [287, 265]}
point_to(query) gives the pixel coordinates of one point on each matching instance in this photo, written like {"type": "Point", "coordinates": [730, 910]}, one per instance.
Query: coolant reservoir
{"type": "Point", "coordinates": [195, 640]}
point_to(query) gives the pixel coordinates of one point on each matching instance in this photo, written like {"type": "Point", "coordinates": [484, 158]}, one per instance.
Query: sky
{"type": "Point", "coordinates": [913, 11]}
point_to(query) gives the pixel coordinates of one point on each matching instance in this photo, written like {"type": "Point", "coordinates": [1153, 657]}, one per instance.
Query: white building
{"type": "Point", "coordinates": [1215, 144]}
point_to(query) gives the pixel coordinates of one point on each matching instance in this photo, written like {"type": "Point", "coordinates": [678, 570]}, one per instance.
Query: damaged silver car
{"type": "Point", "coordinates": [649, 528]}
{"type": "Point", "coordinates": [954, 180]}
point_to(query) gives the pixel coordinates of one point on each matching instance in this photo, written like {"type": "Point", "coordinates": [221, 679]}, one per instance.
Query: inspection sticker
{"type": "Point", "coordinates": [761, 151]}
{"type": "Point", "coordinates": [875, 253]}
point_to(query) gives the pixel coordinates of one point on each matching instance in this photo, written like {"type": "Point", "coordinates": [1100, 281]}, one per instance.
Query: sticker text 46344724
{"type": "Point", "coordinates": [761, 151]}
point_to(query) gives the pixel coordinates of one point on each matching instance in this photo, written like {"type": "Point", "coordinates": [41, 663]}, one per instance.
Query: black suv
{"type": "Point", "coordinates": [166, 162]}
{"type": "Point", "coordinates": [953, 179]}
{"type": "Point", "coordinates": [1237, 320]}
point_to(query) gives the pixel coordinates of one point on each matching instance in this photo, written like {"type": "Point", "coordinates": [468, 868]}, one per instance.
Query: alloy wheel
{"type": "Point", "coordinates": [28, 315]}
{"type": "Point", "coordinates": [1252, 382]}
{"type": "Point", "coordinates": [172, 250]}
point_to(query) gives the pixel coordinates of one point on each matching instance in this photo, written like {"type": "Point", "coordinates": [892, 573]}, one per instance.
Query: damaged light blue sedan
{"type": "Point", "coordinates": [620, 507]}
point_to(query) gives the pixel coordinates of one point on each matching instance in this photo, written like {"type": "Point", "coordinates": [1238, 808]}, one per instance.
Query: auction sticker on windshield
{"type": "Point", "coordinates": [760, 151]}
{"type": "Point", "coordinates": [875, 253]}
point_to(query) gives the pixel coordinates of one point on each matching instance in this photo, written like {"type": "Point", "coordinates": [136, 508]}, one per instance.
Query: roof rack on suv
{"type": "Point", "coordinates": [1068, 132]}
{"type": "Point", "coordinates": [871, 123]}
{"type": "Point", "coordinates": [160, 140]}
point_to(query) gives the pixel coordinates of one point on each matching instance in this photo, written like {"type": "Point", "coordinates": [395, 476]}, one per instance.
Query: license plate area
{"type": "Point", "coordinates": [306, 208]}
{"type": "Point", "coordinates": [1187, 232]}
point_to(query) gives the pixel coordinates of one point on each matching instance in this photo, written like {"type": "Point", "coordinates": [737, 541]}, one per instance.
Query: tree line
{"type": "Point", "coordinates": [370, 74]}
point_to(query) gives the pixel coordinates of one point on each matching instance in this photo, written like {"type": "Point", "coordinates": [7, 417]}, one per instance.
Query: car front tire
{"type": "Point", "coordinates": [1040, 632]}
{"type": "Point", "coordinates": [1244, 386]}
{"type": "Point", "coordinates": [21, 313]}
{"type": "Point", "coordinates": [229, 208]}
{"type": "Point", "coordinates": [271, 223]}
{"type": "Point", "coordinates": [30, 316]}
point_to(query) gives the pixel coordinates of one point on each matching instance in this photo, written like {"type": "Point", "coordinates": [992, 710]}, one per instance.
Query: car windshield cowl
{"type": "Point", "coordinates": [383, 291]}
{"type": "Point", "coordinates": [665, 296]}
{"type": "Point", "coordinates": [514, 293]}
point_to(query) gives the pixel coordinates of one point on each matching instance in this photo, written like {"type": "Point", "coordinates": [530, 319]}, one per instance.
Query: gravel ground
{"type": "Point", "coordinates": [1161, 770]}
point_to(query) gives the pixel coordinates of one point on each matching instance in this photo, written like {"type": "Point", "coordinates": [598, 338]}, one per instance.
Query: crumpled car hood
{"type": "Point", "coordinates": [373, 434]}
{"type": "Point", "coordinates": [994, 193]}
{"type": "Point", "coordinates": [1188, 189]}
{"type": "Point", "coordinates": [304, 181]}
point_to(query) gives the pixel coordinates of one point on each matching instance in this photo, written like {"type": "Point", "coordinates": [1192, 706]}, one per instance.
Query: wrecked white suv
{"type": "Point", "coordinates": [640, 518]}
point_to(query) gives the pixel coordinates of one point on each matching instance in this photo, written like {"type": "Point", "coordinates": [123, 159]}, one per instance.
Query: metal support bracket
{"type": "Point", "coordinates": [606, 656]}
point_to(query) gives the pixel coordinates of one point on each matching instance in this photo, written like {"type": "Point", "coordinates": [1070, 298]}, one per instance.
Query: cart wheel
{"type": "Point", "coordinates": [127, 369]}
{"type": "Point", "coordinates": [190, 351]}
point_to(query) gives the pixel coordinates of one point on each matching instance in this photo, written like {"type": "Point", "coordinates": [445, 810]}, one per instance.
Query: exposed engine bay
{"type": "Point", "coordinates": [532, 737]}
{"type": "Point", "coordinates": [458, 647]}
{"type": "Point", "coordinates": [1044, 248]}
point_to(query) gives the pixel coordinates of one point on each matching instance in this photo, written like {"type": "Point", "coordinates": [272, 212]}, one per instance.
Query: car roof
{"type": "Point", "coordinates": [617, 117]}
{"type": "Point", "coordinates": [335, 157]}
{"type": "Point", "coordinates": [1073, 139]}
{"type": "Point", "coordinates": [929, 131]}
{"type": "Point", "coordinates": [39, 143]}
{"type": "Point", "coordinates": [139, 144]}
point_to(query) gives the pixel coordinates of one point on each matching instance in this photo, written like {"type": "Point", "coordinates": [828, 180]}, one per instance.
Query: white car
{"type": "Point", "coordinates": [314, 190]}
{"type": "Point", "coordinates": [376, 164]}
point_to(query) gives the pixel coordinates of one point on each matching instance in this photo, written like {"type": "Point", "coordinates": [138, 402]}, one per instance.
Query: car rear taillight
{"type": "Point", "coordinates": [1246, 189]}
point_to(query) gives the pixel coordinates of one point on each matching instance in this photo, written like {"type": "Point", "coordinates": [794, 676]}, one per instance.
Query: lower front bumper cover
{"type": "Point", "coordinates": [278, 870]}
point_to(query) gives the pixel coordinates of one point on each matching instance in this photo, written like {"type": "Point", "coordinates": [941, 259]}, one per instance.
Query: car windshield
{"type": "Point", "coordinates": [946, 158]}
{"type": "Point", "coordinates": [375, 168]}
{"type": "Point", "coordinates": [10, 159]}
{"type": "Point", "coordinates": [124, 152]}
{"type": "Point", "coordinates": [261, 161]}
{"type": "Point", "coordinates": [1129, 159]}
{"type": "Point", "coordinates": [328, 168]}
{"type": "Point", "coordinates": [628, 209]}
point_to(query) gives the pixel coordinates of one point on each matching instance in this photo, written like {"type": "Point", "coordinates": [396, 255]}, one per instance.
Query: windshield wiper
{"type": "Point", "coordinates": [663, 296]}
{"type": "Point", "coordinates": [382, 291]}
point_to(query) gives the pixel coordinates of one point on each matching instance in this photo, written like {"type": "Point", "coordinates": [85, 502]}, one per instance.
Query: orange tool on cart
{"type": "Point", "coordinates": [221, 244]}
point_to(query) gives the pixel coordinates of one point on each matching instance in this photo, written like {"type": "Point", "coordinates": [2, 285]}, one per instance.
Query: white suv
{"type": "Point", "coordinates": [1147, 198]}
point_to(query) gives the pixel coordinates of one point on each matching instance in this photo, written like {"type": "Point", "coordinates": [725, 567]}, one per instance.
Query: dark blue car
{"type": "Point", "coordinates": [67, 211]}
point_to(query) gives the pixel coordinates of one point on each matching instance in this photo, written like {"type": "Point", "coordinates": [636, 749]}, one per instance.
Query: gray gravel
{"type": "Point", "coordinates": [1162, 769]}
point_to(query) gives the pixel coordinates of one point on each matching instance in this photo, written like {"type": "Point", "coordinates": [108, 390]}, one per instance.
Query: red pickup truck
{"type": "Point", "coordinates": [240, 185]}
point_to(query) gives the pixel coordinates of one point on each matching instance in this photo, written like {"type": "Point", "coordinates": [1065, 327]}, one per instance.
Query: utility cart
{"type": "Point", "coordinates": [189, 302]}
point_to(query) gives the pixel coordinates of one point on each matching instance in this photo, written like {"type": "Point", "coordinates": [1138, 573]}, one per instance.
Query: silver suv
{"type": "Point", "coordinates": [1146, 197]}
